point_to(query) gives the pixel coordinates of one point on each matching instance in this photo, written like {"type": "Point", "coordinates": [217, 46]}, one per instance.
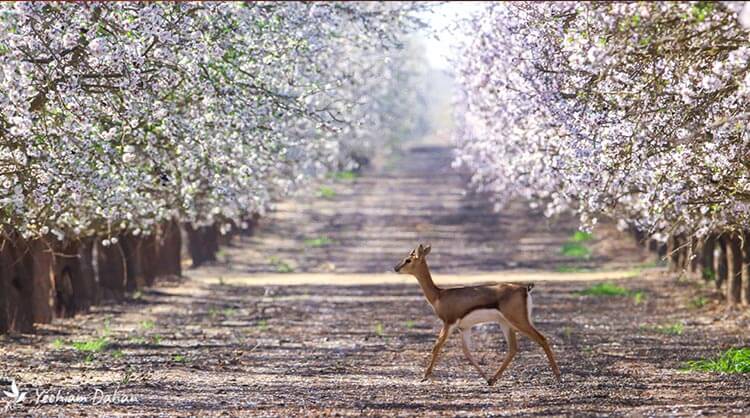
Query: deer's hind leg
{"type": "Point", "coordinates": [524, 326]}
{"type": "Point", "coordinates": [510, 337]}
{"type": "Point", "coordinates": [465, 345]}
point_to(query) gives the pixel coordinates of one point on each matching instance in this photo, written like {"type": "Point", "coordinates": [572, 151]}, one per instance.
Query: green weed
{"type": "Point", "coordinates": [94, 346]}
{"type": "Point", "coordinates": [574, 249]}
{"type": "Point", "coordinates": [604, 289]}
{"type": "Point", "coordinates": [346, 175]}
{"type": "Point", "coordinates": [178, 358]}
{"type": "Point", "coordinates": [379, 329]}
{"type": "Point", "coordinates": [698, 302]}
{"type": "Point", "coordinates": [147, 324]}
{"type": "Point", "coordinates": [318, 242]}
{"type": "Point", "coordinates": [137, 340]}
{"type": "Point", "coordinates": [638, 296]}
{"type": "Point", "coordinates": [281, 265]}
{"type": "Point", "coordinates": [58, 343]}
{"type": "Point", "coordinates": [571, 269]}
{"type": "Point", "coordinates": [326, 192]}
{"type": "Point", "coordinates": [263, 325]}
{"type": "Point", "coordinates": [667, 329]}
{"type": "Point", "coordinates": [409, 324]}
{"type": "Point", "coordinates": [581, 236]}
{"type": "Point", "coordinates": [734, 360]}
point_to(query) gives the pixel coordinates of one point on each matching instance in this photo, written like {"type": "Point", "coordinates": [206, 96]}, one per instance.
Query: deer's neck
{"type": "Point", "coordinates": [431, 292]}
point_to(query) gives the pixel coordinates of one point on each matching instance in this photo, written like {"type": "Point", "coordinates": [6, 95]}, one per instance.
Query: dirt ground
{"type": "Point", "coordinates": [303, 319]}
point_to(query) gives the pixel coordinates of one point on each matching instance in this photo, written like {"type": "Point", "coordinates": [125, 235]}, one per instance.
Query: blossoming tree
{"type": "Point", "coordinates": [120, 121]}
{"type": "Point", "coordinates": [635, 111]}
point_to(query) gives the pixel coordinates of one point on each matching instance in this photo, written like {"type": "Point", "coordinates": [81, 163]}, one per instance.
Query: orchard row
{"type": "Point", "coordinates": [120, 121]}
{"type": "Point", "coordinates": [634, 111]}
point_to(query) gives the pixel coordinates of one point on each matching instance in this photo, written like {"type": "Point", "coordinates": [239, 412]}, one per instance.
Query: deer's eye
{"type": "Point", "coordinates": [408, 260]}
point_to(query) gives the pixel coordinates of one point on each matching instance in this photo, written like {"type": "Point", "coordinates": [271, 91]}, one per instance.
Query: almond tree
{"type": "Point", "coordinates": [635, 111]}
{"type": "Point", "coordinates": [120, 120]}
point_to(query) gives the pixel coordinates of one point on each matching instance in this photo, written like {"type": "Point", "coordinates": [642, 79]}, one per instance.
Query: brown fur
{"type": "Point", "coordinates": [453, 304]}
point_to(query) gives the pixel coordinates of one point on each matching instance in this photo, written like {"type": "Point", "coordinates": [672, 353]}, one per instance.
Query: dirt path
{"type": "Point", "coordinates": [339, 336]}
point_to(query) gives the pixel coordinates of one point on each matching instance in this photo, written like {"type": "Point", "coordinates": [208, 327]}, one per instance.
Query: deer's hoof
{"type": "Point", "coordinates": [491, 382]}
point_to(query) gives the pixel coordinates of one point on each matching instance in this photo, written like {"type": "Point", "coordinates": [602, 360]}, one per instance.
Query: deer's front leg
{"type": "Point", "coordinates": [442, 338]}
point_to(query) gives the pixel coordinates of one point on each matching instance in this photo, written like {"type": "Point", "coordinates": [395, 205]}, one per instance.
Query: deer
{"type": "Point", "coordinates": [508, 304]}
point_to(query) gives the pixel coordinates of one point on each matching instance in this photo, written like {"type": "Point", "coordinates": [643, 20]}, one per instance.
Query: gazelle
{"type": "Point", "coordinates": [463, 307]}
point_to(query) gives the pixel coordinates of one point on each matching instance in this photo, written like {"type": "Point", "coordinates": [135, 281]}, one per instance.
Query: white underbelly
{"type": "Point", "coordinates": [480, 316]}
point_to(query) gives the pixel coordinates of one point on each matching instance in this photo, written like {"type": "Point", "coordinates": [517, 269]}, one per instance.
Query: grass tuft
{"type": "Point", "coordinates": [581, 236]}
{"type": "Point", "coordinates": [574, 249]}
{"type": "Point", "coordinates": [58, 343]}
{"type": "Point", "coordinates": [326, 192]}
{"type": "Point", "coordinates": [280, 265]}
{"type": "Point", "coordinates": [604, 289]}
{"type": "Point", "coordinates": [613, 290]}
{"type": "Point", "coordinates": [734, 360]}
{"type": "Point", "coordinates": [698, 302]}
{"type": "Point", "coordinates": [379, 329]}
{"type": "Point", "coordinates": [571, 269]}
{"type": "Point", "coordinates": [346, 175]}
{"type": "Point", "coordinates": [94, 346]}
{"type": "Point", "coordinates": [638, 296]}
{"type": "Point", "coordinates": [262, 325]}
{"type": "Point", "coordinates": [667, 329]}
{"type": "Point", "coordinates": [318, 242]}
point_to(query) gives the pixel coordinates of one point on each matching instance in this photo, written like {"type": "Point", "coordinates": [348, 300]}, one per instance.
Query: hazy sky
{"type": "Point", "coordinates": [438, 50]}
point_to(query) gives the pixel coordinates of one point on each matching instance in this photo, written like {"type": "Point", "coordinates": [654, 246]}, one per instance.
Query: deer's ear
{"type": "Point", "coordinates": [419, 251]}
{"type": "Point", "coordinates": [426, 249]}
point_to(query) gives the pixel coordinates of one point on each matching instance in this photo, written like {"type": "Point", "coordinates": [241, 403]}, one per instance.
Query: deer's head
{"type": "Point", "coordinates": [415, 258]}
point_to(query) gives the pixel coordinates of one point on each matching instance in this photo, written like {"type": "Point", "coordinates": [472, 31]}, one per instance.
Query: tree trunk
{"type": "Point", "coordinates": [4, 279]}
{"type": "Point", "coordinates": [694, 258]}
{"type": "Point", "coordinates": [745, 288]}
{"type": "Point", "coordinates": [88, 280]}
{"type": "Point", "coordinates": [203, 243]}
{"type": "Point", "coordinates": [249, 224]}
{"type": "Point", "coordinates": [139, 258]}
{"type": "Point", "coordinates": [226, 238]}
{"type": "Point", "coordinates": [734, 271]}
{"type": "Point", "coordinates": [706, 259]}
{"type": "Point", "coordinates": [15, 286]}
{"type": "Point", "coordinates": [720, 263]}
{"type": "Point", "coordinates": [661, 249]}
{"type": "Point", "coordinates": [75, 285]}
{"type": "Point", "coordinates": [43, 282]}
{"type": "Point", "coordinates": [639, 237]}
{"type": "Point", "coordinates": [673, 254]}
{"type": "Point", "coordinates": [111, 266]}
{"type": "Point", "coordinates": [683, 254]}
{"type": "Point", "coordinates": [169, 250]}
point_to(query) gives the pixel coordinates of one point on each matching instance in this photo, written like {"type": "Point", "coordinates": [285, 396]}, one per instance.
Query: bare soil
{"type": "Point", "coordinates": [337, 335]}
